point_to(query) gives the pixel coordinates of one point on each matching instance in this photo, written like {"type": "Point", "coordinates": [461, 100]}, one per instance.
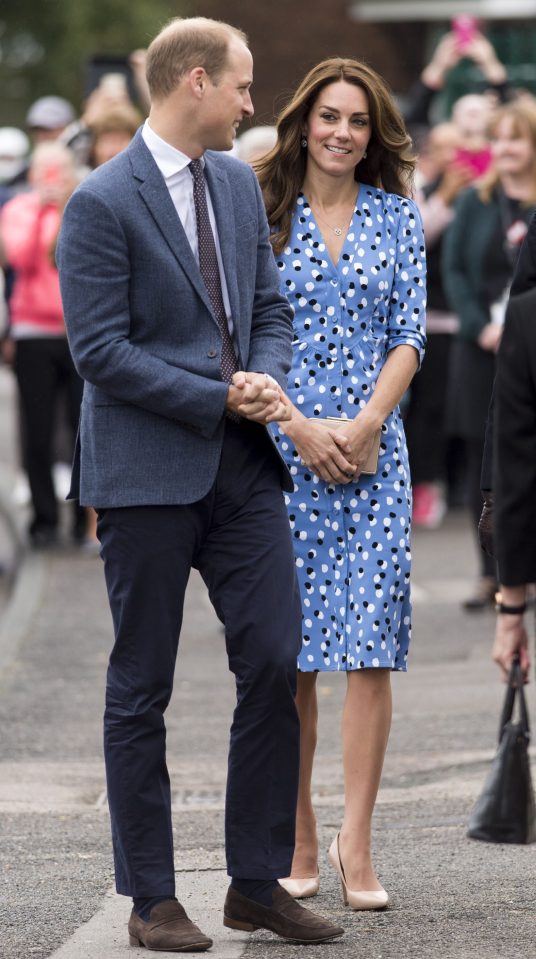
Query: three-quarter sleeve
{"type": "Point", "coordinates": [407, 306]}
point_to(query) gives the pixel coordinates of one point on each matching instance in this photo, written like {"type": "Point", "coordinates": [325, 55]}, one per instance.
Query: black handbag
{"type": "Point", "coordinates": [505, 810]}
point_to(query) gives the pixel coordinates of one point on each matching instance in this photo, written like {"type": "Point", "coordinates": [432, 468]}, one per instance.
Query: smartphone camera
{"type": "Point", "coordinates": [464, 28]}
{"type": "Point", "coordinates": [112, 74]}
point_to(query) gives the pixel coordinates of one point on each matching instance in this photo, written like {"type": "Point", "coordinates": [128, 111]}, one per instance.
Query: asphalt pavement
{"type": "Point", "coordinates": [451, 897]}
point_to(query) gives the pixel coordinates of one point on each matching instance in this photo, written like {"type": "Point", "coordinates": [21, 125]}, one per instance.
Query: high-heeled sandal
{"type": "Point", "coordinates": [301, 888]}
{"type": "Point", "coordinates": [366, 899]}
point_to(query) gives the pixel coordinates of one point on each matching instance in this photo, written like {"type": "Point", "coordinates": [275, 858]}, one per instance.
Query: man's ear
{"type": "Point", "coordinates": [197, 79]}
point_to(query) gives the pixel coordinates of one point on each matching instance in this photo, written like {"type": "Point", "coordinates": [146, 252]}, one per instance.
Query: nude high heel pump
{"type": "Point", "coordinates": [373, 899]}
{"type": "Point", "coordinates": [301, 888]}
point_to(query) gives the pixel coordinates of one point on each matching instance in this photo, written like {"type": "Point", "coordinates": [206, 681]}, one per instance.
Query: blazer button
{"type": "Point", "coordinates": [211, 354]}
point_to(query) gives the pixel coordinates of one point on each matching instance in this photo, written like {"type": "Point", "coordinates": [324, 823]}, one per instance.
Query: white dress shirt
{"type": "Point", "coordinates": [173, 166]}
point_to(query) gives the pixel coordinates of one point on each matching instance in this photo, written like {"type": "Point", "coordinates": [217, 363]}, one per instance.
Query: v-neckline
{"type": "Point", "coordinates": [334, 265]}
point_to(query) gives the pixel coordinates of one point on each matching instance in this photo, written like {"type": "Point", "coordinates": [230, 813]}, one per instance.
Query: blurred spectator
{"type": "Point", "coordinates": [14, 150]}
{"type": "Point", "coordinates": [472, 115]}
{"type": "Point", "coordinates": [255, 143]}
{"type": "Point", "coordinates": [137, 61]}
{"type": "Point", "coordinates": [436, 152]}
{"type": "Point", "coordinates": [112, 132]}
{"type": "Point", "coordinates": [446, 56]}
{"type": "Point", "coordinates": [480, 253]}
{"type": "Point", "coordinates": [48, 117]}
{"type": "Point", "coordinates": [514, 476]}
{"type": "Point", "coordinates": [109, 98]}
{"type": "Point", "coordinates": [425, 420]}
{"type": "Point", "coordinates": [29, 225]}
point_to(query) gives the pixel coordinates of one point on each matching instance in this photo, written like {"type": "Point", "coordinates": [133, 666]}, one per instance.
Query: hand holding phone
{"type": "Point", "coordinates": [477, 161]}
{"type": "Point", "coordinates": [114, 85]}
{"type": "Point", "coordinates": [465, 28]}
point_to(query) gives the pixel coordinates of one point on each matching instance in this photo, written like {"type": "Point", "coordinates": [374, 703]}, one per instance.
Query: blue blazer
{"type": "Point", "coordinates": [142, 333]}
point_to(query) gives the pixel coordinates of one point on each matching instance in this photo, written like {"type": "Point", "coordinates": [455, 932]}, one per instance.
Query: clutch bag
{"type": "Point", "coordinates": [335, 422]}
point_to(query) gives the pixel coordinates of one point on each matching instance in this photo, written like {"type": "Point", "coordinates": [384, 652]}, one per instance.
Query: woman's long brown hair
{"type": "Point", "coordinates": [388, 164]}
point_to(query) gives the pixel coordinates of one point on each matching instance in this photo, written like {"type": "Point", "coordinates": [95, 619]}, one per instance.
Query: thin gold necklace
{"type": "Point", "coordinates": [337, 230]}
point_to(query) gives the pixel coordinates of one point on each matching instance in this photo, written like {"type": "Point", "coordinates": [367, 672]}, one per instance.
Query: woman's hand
{"type": "Point", "coordinates": [321, 449]}
{"type": "Point", "coordinates": [490, 337]}
{"type": "Point", "coordinates": [511, 640]}
{"type": "Point", "coordinates": [356, 439]}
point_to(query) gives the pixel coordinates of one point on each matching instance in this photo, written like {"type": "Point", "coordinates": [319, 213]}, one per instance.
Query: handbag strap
{"type": "Point", "coordinates": [515, 688]}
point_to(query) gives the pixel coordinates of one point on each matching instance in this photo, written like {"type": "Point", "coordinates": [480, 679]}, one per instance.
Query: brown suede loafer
{"type": "Point", "coordinates": [286, 917]}
{"type": "Point", "coordinates": [168, 930]}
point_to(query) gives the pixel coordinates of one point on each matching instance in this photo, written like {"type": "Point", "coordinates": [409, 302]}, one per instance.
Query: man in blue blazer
{"type": "Point", "coordinates": [176, 325]}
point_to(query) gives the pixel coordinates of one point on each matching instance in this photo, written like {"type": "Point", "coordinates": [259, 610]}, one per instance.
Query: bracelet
{"type": "Point", "coordinates": [511, 610]}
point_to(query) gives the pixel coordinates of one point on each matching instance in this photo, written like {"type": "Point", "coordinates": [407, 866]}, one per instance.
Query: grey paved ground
{"type": "Point", "coordinates": [451, 898]}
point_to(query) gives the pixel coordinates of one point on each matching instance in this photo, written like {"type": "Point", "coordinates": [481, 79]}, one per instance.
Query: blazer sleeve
{"type": "Point", "coordinates": [458, 268]}
{"type": "Point", "coordinates": [93, 260]}
{"type": "Point", "coordinates": [270, 348]}
{"type": "Point", "coordinates": [514, 471]}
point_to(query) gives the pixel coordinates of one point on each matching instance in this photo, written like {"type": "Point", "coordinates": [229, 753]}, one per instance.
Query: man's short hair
{"type": "Point", "coordinates": [184, 44]}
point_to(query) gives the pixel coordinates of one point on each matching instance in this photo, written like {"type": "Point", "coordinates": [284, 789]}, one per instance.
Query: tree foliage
{"type": "Point", "coordinates": [45, 44]}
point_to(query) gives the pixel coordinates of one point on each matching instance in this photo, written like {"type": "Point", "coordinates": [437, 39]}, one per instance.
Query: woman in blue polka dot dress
{"type": "Point", "coordinates": [349, 245]}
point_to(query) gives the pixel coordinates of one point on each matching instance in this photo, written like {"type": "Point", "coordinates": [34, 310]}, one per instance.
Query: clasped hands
{"type": "Point", "coordinates": [257, 397]}
{"type": "Point", "coordinates": [335, 455]}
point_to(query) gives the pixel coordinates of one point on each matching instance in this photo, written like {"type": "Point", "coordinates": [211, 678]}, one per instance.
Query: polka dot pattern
{"type": "Point", "coordinates": [210, 271]}
{"type": "Point", "coordinates": [352, 542]}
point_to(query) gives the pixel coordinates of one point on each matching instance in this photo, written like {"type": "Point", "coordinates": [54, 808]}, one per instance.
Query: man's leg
{"type": "Point", "coordinates": [146, 552]}
{"type": "Point", "coordinates": [247, 562]}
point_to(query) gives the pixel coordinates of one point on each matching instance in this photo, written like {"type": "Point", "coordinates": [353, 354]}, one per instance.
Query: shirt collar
{"type": "Point", "coordinates": [168, 159]}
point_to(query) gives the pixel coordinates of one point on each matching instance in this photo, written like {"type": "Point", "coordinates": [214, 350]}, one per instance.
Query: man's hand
{"type": "Point", "coordinates": [510, 641]}
{"type": "Point", "coordinates": [256, 397]}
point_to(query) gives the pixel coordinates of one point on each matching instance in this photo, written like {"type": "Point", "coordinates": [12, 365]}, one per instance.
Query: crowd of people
{"type": "Point", "coordinates": [300, 370]}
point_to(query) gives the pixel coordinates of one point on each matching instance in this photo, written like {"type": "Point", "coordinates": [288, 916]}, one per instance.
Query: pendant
{"type": "Point", "coordinates": [337, 231]}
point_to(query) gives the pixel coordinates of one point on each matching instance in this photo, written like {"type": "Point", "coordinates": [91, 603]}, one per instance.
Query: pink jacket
{"type": "Point", "coordinates": [29, 232]}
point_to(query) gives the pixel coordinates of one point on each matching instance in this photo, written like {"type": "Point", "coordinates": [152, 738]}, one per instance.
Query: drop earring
{"type": "Point", "coordinates": [364, 157]}
{"type": "Point", "coordinates": [303, 142]}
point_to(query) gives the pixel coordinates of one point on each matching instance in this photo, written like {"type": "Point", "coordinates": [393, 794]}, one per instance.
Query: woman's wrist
{"type": "Point", "coordinates": [292, 427]}
{"type": "Point", "coordinates": [371, 418]}
{"type": "Point", "coordinates": [513, 597]}
{"type": "Point", "coordinates": [494, 72]}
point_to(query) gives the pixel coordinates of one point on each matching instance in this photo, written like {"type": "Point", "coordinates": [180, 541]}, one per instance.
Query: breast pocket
{"type": "Point", "coordinates": [246, 230]}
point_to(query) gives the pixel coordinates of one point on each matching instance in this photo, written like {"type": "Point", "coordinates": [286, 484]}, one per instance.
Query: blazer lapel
{"type": "Point", "coordinates": [155, 195]}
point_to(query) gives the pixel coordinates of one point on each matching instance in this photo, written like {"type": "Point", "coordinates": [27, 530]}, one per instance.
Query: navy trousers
{"type": "Point", "coordinates": [238, 537]}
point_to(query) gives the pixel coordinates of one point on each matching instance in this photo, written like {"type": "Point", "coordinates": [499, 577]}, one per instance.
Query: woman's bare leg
{"type": "Point", "coordinates": [366, 723]}
{"type": "Point", "coordinates": [305, 861]}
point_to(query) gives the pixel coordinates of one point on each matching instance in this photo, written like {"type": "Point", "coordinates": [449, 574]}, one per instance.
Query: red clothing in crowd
{"type": "Point", "coordinates": [29, 232]}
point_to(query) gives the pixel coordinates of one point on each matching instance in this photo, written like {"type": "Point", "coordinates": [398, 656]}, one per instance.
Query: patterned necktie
{"type": "Point", "coordinates": [208, 265]}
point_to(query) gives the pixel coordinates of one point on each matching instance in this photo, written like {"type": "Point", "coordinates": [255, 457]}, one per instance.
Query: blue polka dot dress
{"type": "Point", "coordinates": [352, 543]}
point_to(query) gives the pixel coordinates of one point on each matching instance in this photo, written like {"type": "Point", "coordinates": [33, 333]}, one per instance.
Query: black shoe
{"type": "Point", "coordinates": [43, 537]}
{"type": "Point", "coordinates": [286, 917]}
{"type": "Point", "coordinates": [483, 597]}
